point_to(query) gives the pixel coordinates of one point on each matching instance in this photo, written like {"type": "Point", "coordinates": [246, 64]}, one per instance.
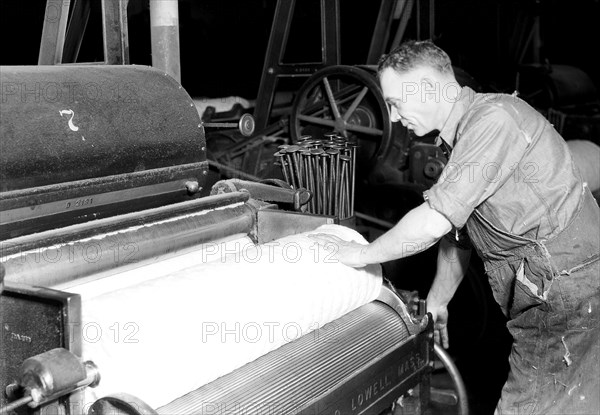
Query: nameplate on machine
{"type": "Point", "coordinates": [86, 202]}
{"type": "Point", "coordinates": [383, 381]}
{"type": "Point", "coordinates": [407, 366]}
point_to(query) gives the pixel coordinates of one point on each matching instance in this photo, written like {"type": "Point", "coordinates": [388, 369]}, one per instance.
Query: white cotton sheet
{"type": "Point", "coordinates": [230, 303]}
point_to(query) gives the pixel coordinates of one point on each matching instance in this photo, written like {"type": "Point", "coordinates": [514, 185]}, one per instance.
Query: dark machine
{"type": "Point", "coordinates": [103, 169]}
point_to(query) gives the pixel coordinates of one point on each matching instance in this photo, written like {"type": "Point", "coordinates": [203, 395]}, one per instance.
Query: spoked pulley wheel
{"type": "Point", "coordinates": [347, 100]}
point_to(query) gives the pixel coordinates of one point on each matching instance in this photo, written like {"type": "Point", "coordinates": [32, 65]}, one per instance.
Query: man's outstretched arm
{"type": "Point", "coordinates": [418, 230]}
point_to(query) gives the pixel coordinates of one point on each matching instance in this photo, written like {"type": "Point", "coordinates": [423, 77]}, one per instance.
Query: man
{"type": "Point", "coordinates": [511, 191]}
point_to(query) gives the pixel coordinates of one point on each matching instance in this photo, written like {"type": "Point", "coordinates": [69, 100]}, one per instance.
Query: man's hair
{"type": "Point", "coordinates": [413, 54]}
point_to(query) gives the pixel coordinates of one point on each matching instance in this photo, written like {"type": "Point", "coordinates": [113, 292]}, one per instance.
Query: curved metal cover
{"type": "Point", "coordinates": [82, 142]}
{"type": "Point", "coordinates": [74, 122]}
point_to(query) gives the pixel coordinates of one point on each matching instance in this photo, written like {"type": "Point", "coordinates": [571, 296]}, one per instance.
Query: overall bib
{"type": "Point", "coordinates": [549, 289]}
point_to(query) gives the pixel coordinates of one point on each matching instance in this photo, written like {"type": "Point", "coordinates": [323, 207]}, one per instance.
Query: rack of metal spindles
{"type": "Point", "coordinates": [326, 167]}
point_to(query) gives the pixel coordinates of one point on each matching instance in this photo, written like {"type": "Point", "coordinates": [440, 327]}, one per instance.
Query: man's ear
{"type": "Point", "coordinates": [428, 85]}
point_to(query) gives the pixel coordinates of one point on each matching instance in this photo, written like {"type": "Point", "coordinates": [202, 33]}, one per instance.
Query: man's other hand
{"type": "Point", "coordinates": [440, 325]}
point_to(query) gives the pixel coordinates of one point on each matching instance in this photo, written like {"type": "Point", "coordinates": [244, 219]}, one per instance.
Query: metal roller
{"type": "Point", "coordinates": [54, 257]}
{"type": "Point", "coordinates": [278, 375]}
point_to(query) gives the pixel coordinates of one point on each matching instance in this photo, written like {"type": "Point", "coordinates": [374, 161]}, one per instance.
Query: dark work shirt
{"type": "Point", "coordinates": [509, 163]}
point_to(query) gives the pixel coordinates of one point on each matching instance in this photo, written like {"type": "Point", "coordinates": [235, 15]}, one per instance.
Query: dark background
{"type": "Point", "coordinates": [223, 42]}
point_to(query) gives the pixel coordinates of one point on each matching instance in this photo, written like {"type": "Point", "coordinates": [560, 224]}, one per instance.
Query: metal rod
{"type": "Point", "coordinates": [463, 401]}
{"type": "Point", "coordinates": [338, 181]}
{"type": "Point", "coordinates": [164, 33]}
{"type": "Point", "coordinates": [220, 124]}
{"type": "Point", "coordinates": [115, 32]}
{"type": "Point", "coordinates": [354, 146]}
{"type": "Point", "coordinates": [344, 198]}
{"type": "Point", "coordinates": [315, 162]}
{"type": "Point", "coordinates": [343, 192]}
{"type": "Point", "coordinates": [288, 162]}
{"type": "Point", "coordinates": [53, 32]}
{"type": "Point", "coordinates": [303, 169]}
{"type": "Point", "coordinates": [297, 168]}
{"type": "Point", "coordinates": [283, 168]}
{"type": "Point", "coordinates": [332, 175]}
{"type": "Point", "coordinates": [323, 165]}
{"type": "Point", "coordinates": [16, 404]}
{"type": "Point", "coordinates": [347, 183]}
{"type": "Point", "coordinates": [310, 178]}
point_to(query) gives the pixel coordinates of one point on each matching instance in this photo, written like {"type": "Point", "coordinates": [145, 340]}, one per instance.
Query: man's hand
{"type": "Point", "coordinates": [440, 325]}
{"type": "Point", "coordinates": [347, 252]}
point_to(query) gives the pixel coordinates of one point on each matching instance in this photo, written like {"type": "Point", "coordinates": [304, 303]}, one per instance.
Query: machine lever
{"type": "Point", "coordinates": [246, 125]}
{"type": "Point", "coordinates": [15, 405]}
{"type": "Point", "coordinates": [268, 191]}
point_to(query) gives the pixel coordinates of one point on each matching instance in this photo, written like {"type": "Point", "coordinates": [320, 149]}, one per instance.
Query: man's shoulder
{"type": "Point", "coordinates": [495, 100]}
{"type": "Point", "coordinates": [499, 107]}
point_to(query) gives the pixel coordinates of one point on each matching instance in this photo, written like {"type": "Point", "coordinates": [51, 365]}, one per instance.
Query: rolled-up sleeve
{"type": "Point", "coordinates": [485, 156]}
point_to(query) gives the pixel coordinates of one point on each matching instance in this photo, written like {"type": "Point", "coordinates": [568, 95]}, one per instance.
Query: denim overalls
{"type": "Point", "coordinates": [537, 229]}
{"type": "Point", "coordinates": [550, 292]}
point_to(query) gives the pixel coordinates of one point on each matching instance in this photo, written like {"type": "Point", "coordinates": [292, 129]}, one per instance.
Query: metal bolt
{"type": "Point", "coordinates": [332, 153]}
{"type": "Point", "coordinates": [310, 181]}
{"type": "Point", "coordinates": [304, 138]}
{"type": "Point", "coordinates": [307, 177]}
{"type": "Point", "coordinates": [192, 186]}
{"type": "Point", "coordinates": [325, 179]}
{"type": "Point", "coordinates": [338, 181]}
{"type": "Point", "coordinates": [295, 164]}
{"type": "Point", "coordinates": [330, 136]}
{"type": "Point", "coordinates": [315, 153]}
{"type": "Point", "coordinates": [353, 147]}
{"type": "Point", "coordinates": [282, 162]}
{"type": "Point", "coordinates": [344, 199]}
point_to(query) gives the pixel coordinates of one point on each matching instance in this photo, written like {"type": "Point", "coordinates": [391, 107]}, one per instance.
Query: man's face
{"type": "Point", "coordinates": [412, 99]}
